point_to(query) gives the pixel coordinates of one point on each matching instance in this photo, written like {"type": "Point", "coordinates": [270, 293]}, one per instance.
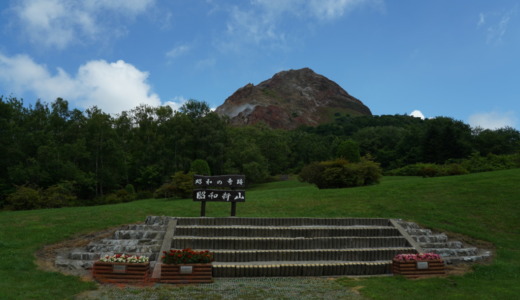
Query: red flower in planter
{"type": "Point", "coordinates": [417, 257]}
{"type": "Point", "coordinates": [187, 256]}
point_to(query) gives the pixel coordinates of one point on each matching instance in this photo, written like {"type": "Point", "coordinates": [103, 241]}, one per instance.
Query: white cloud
{"type": "Point", "coordinates": [260, 22]}
{"type": "Point", "coordinates": [417, 114]}
{"type": "Point", "coordinates": [59, 23]}
{"type": "Point", "coordinates": [493, 120]}
{"type": "Point", "coordinates": [113, 87]}
{"type": "Point", "coordinates": [127, 7]}
{"type": "Point", "coordinates": [21, 73]}
{"type": "Point", "coordinates": [176, 102]}
{"type": "Point", "coordinates": [205, 63]}
{"type": "Point", "coordinates": [250, 27]}
{"type": "Point", "coordinates": [498, 24]}
{"type": "Point", "coordinates": [332, 9]}
{"type": "Point", "coordinates": [177, 51]}
{"type": "Point", "coordinates": [481, 20]}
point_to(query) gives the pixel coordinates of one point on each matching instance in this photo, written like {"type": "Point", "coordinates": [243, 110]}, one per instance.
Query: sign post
{"type": "Point", "coordinates": [222, 188]}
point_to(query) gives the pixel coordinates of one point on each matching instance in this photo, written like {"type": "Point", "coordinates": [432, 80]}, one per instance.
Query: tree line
{"type": "Point", "coordinates": [74, 157]}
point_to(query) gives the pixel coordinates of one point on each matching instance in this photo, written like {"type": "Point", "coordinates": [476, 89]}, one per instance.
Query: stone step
{"type": "Point", "coordinates": [434, 238]}
{"type": "Point", "coordinates": [408, 225]}
{"type": "Point", "coordinates": [419, 231]}
{"type": "Point", "coordinates": [157, 220]}
{"type": "Point", "coordinates": [128, 242]}
{"type": "Point", "coordinates": [82, 255]}
{"type": "Point", "coordinates": [73, 264]}
{"type": "Point", "coordinates": [214, 243]}
{"type": "Point", "coordinates": [482, 255]}
{"type": "Point", "coordinates": [449, 252]}
{"type": "Point", "coordinates": [116, 248]}
{"type": "Point", "coordinates": [283, 221]}
{"type": "Point", "coordinates": [308, 268]}
{"type": "Point", "coordinates": [449, 244]}
{"type": "Point", "coordinates": [284, 231]}
{"type": "Point", "coordinates": [363, 254]}
{"type": "Point", "coordinates": [144, 227]}
{"type": "Point", "coordinates": [138, 234]}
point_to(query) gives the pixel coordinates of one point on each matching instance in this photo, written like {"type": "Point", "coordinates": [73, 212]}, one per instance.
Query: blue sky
{"type": "Point", "coordinates": [459, 59]}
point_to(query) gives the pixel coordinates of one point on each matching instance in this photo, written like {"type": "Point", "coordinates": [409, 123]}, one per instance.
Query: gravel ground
{"type": "Point", "coordinates": [231, 288]}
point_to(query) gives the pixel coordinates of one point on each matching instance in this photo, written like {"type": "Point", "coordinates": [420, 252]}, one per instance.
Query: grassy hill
{"type": "Point", "coordinates": [484, 206]}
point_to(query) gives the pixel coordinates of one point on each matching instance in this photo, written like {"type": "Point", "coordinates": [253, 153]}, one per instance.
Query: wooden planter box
{"type": "Point", "coordinates": [414, 269]}
{"type": "Point", "coordinates": [108, 272]}
{"type": "Point", "coordinates": [189, 273]}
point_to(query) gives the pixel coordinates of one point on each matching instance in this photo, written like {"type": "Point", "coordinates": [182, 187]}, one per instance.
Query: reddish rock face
{"type": "Point", "coordinates": [290, 99]}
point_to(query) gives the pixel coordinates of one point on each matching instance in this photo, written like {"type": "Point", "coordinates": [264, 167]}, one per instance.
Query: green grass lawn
{"type": "Point", "coordinates": [484, 206]}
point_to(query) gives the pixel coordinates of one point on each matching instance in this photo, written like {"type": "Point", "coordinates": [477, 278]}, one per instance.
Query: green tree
{"type": "Point", "coordinates": [106, 163]}
{"type": "Point", "coordinates": [195, 109]}
{"type": "Point", "coordinates": [499, 141]}
{"type": "Point", "coordinates": [181, 185]}
{"type": "Point", "coordinates": [381, 142]}
{"type": "Point", "coordinates": [445, 139]}
{"type": "Point", "coordinates": [309, 147]}
{"type": "Point", "coordinates": [200, 167]}
{"type": "Point", "coordinates": [274, 146]}
{"type": "Point", "coordinates": [349, 150]}
{"type": "Point", "coordinates": [244, 155]}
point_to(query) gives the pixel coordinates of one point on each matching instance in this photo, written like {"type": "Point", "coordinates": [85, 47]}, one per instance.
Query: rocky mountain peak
{"type": "Point", "coordinates": [290, 99]}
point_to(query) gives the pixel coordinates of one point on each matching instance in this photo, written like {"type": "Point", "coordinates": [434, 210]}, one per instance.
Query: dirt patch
{"type": "Point", "coordinates": [46, 257]}
{"type": "Point", "coordinates": [471, 242]}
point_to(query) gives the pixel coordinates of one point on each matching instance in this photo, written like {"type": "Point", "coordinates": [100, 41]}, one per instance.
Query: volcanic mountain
{"type": "Point", "coordinates": [290, 99]}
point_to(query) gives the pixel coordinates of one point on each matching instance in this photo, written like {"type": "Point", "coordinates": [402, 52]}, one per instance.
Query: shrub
{"type": "Point", "coordinates": [429, 170]}
{"type": "Point", "coordinates": [370, 171]}
{"type": "Point", "coordinates": [334, 177]}
{"type": "Point", "coordinates": [129, 188]}
{"type": "Point", "coordinates": [200, 167]}
{"type": "Point", "coordinates": [455, 169]}
{"type": "Point", "coordinates": [166, 190]}
{"type": "Point", "coordinates": [111, 198]}
{"type": "Point", "coordinates": [349, 150]}
{"type": "Point", "coordinates": [144, 195]}
{"type": "Point", "coordinates": [255, 172]}
{"type": "Point", "coordinates": [491, 162]}
{"type": "Point", "coordinates": [340, 173]}
{"type": "Point", "coordinates": [180, 186]}
{"type": "Point", "coordinates": [59, 195]}
{"type": "Point", "coordinates": [312, 173]}
{"type": "Point", "coordinates": [124, 195]}
{"type": "Point", "coordinates": [24, 198]}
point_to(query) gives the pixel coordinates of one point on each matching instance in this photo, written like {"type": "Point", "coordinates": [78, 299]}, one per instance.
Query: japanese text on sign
{"type": "Point", "coordinates": [224, 181]}
{"type": "Point", "coordinates": [219, 195]}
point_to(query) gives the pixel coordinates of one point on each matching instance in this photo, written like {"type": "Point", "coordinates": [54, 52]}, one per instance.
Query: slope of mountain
{"type": "Point", "coordinates": [290, 99]}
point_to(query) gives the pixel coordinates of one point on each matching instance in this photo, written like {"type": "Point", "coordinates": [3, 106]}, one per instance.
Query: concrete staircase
{"type": "Point", "coordinates": [452, 252]}
{"type": "Point", "coordinates": [134, 239]}
{"type": "Point", "coordinates": [248, 247]}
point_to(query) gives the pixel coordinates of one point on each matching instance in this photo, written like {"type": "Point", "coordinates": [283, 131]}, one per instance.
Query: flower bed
{"type": "Point", "coordinates": [187, 266]}
{"type": "Point", "coordinates": [418, 265]}
{"type": "Point", "coordinates": [121, 268]}
{"type": "Point", "coordinates": [187, 273]}
{"type": "Point", "coordinates": [123, 258]}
